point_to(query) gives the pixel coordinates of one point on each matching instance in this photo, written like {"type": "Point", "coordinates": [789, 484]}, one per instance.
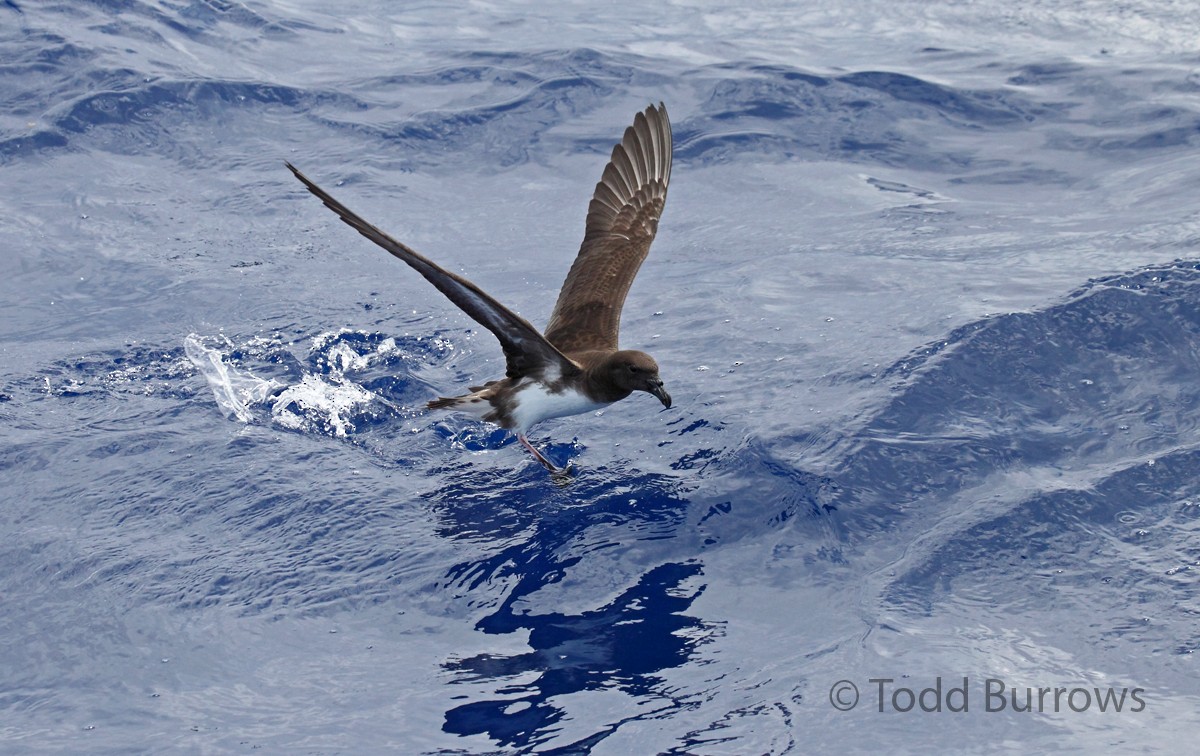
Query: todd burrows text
{"type": "Point", "coordinates": [995, 695]}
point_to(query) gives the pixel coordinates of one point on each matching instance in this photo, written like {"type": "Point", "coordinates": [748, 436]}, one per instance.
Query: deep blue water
{"type": "Point", "coordinates": [926, 294]}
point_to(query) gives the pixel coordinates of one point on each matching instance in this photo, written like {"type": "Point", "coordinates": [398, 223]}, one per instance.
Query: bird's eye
{"type": "Point", "coordinates": [633, 368]}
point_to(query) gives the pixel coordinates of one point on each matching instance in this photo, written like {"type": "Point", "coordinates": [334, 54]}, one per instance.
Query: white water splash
{"type": "Point", "coordinates": [235, 391]}
{"type": "Point", "coordinates": [316, 400]}
{"type": "Point", "coordinates": [326, 404]}
{"type": "Point", "coordinates": [343, 357]}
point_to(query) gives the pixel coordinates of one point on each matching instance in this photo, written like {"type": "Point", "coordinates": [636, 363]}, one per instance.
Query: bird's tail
{"type": "Point", "coordinates": [447, 402]}
{"type": "Point", "coordinates": [473, 404]}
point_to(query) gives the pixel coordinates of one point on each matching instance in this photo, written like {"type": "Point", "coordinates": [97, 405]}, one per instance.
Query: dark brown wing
{"type": "Point", "coordinates": [621, 222]}
{"type": "Point", "coordinates": [525, 349]}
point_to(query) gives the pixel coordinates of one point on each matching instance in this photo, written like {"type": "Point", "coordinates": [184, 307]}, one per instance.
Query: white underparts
{"type": "Point", "coordinates": [535, 404]}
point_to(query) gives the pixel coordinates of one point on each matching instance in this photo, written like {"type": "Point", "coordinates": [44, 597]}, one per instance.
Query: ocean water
{"type": "Point", "coordinates": [926, 293]}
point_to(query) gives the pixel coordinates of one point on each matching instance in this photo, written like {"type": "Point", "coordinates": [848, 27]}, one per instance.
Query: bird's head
{"type": "Point", "coordinates": [637, 371]}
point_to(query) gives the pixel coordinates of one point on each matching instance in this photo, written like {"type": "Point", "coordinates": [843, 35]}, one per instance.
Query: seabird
{"type": "Point", "coordinates": [576, 365]}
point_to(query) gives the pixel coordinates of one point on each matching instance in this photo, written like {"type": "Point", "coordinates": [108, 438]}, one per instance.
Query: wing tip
{"type": "Point", "coordinates": [641, 157]}
{"type": "Point", "coordinates": [658, 112]}
{"type": "Point", "coordinates": [308, 183]}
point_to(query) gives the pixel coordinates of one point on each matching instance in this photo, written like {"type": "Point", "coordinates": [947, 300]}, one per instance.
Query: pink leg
{"type": "Point", "coordinates": [537, 454]}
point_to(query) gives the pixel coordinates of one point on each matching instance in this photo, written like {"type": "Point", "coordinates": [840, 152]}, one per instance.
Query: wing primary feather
{"type": "Point", "coordinates": [524, 348]}
{"type": "Point", "coordinates": [621, 223]}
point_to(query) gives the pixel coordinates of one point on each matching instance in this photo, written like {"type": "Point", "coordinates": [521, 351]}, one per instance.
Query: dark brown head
{"type": "Point", "coordinates": [630, 370]}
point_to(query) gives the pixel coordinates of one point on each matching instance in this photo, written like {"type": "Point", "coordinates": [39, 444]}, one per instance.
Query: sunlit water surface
{"type": "Point", "coordinates": [926, 293]}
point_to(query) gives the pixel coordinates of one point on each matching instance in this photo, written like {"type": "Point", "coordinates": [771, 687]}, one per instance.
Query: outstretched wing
{"type": "Point", "coordinates": [621, 222]}
{"type": "Point", "coordinates": [525, 349]}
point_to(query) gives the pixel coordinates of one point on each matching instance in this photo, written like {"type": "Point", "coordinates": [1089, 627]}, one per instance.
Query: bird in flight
{"type": "Point", "coordinates": [576, 365]}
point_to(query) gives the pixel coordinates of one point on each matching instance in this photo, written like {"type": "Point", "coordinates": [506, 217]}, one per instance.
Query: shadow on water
{"type": "Point", "coordinates": [621, 645]}
{"type": "Point", "coordinates": [626, 550]}
{"type": "Point", "coordinates": [548, 532]}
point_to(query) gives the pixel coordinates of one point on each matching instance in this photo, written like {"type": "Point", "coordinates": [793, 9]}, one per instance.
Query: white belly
{"type": "Point", "coordinates": [536, 404]}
